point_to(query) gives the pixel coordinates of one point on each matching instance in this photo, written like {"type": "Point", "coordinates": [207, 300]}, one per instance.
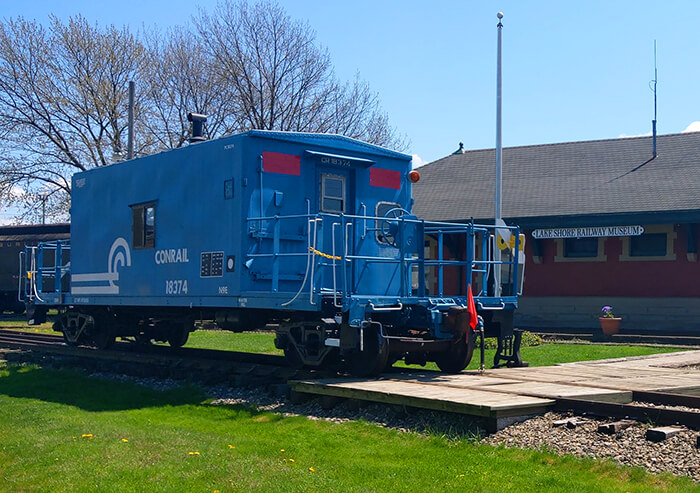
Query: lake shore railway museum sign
{"type": "Point", "coordinates": [593, 232]}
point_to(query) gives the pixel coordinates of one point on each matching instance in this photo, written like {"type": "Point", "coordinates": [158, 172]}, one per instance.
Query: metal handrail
{"type": "Point", "coordinates": [343, 223]}
{"type": "Point", "coordinates": [33, 271]}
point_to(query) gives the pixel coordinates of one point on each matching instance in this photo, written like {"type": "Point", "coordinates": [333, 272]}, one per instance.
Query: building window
{"type": "Point", "coordinates": [143, 227]}
{"type": "Point", "coordinates": [657, 243]}
{"type": "Point", "coordinates": [332, 193]}
{"type": "Point", "coordinates": [580, 250]}
{"type": "Point", "coordinates": [648, 245]}
{"type": "Point", "coordinates": [581, 247]}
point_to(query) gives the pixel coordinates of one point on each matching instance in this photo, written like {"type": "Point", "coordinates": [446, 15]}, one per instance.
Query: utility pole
{"type": "Point", "coordinates": [44, 197]}
{"type": "Point", "coordinates": [130, 141]}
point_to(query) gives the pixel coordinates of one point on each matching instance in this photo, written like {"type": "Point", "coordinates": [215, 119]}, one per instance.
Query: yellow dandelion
{"type": "Point", "coordinates": [292, 460]}
{"type": "Point", "coordinates": [217, 491]}
{"type": "Point", "coordinates": [87, 435]}
{"type": "Point", "coordinates": [56, 459]}
{"type": "Point", "coordinates": [231, 446]}
{"type": "Point", "coordinates": [194, 453]}
{"type": "Point", "coordinates": [312, 469]}
{"type": "Point", "coordinates": [281, 450]}
{"type": "Point", "coordinates": [124, 440]}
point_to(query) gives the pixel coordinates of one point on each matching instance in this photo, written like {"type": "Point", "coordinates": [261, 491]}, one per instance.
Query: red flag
{"type": "Point", "coordinates": [473, 320]}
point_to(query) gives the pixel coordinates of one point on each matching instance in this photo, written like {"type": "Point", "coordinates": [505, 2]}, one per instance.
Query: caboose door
{"type": "Point", "coordinates": [335, 196]}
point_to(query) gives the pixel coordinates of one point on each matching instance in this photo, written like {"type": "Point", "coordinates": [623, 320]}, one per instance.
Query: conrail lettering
{"type": "Point", "coordinates": [172, 256]}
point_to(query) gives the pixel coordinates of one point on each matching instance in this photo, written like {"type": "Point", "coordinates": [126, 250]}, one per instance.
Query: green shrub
{"type": "Point", "coordinates": [529, 339]}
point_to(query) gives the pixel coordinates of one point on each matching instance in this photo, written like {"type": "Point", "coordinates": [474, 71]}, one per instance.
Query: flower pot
{"type": "Point", "coordinates": [610, 325]}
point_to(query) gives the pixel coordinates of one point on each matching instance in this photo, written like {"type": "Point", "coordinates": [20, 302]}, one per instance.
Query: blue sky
{"type": "Point", "coordinates": [571, 70]}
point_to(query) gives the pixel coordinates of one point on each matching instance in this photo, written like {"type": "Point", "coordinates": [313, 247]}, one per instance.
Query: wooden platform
{"type": "Point", "coordinates": [503, 394]}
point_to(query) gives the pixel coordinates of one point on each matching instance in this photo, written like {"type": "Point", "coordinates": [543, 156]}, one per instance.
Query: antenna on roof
{"type": "Point", "coordinates": [652, 86]}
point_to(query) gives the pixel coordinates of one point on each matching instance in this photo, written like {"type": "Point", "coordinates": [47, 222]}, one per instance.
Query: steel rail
{"type": "Point", "coordinates": [658, 415]}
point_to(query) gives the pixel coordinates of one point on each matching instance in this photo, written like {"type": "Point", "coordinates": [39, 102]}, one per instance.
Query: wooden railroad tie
{"type": "Point", "coordinates": [571, 423]}
{"type": "Point", "coordinates": [616, 427]}
{"type": "Point", "coordinates": [662, 433]}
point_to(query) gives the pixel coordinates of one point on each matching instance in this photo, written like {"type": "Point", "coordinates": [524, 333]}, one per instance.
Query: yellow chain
{"type": "Point", "coordinates": [325, 255]}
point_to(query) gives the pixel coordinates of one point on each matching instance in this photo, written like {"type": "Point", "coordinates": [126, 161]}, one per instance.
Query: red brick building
{"type": "Point", "coordinates": [606, 223]}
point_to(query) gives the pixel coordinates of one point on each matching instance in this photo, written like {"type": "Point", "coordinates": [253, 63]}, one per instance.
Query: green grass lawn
{"type": "Point", "coordinates": [62, 431]}
{"type": "Point", "coordinates": [250, 342]}
{"type": "Point", "coordinates": [20, 322]}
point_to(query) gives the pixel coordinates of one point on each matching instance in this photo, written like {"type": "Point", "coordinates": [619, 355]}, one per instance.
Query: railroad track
{"type": "Point", "coordinates": [14, 338]}
{"type": "Point", "coordinates": [206, 365]}
{"type": "Point", "coordinates": [249, 369]}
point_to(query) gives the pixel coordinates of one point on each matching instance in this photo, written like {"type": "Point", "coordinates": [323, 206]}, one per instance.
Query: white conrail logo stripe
{"type": "Point", "coordinates": [119, 257]}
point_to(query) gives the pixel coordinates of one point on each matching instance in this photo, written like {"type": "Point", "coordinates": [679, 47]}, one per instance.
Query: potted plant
{"type": "Point", "coordinates": [609, 323]}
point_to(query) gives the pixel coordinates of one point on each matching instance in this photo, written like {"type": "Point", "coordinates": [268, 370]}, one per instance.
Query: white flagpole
{"type": "Point", "coordinates": [499, 162]}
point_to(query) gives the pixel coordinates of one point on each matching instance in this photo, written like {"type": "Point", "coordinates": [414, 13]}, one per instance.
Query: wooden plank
{"type": "Point", "coordinates": [555, 390]}
{"type": "Point", "coordinates": [531, 388]}
{"type": "Point", "coordinates": [472, 402]}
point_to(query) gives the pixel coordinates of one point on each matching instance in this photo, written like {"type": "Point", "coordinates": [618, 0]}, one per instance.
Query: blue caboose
{"type": "Point", "coordinates": [311, 232]}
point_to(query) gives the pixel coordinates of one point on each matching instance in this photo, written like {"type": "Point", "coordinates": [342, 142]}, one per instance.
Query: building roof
{"type": "Point", "coordinates": [592, 178]}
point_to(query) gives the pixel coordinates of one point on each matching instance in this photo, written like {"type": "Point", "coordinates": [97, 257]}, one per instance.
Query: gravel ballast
{"type": "Point", "coordinates": [677, 454]}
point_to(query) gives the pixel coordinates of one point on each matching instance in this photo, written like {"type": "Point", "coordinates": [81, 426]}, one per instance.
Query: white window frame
{"type": "Point", "coordinates": [342, 198]}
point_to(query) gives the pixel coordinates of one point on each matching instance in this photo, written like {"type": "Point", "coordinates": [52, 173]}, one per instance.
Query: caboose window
{"type": "Point", "coordinates": [143, 227]}
{"type": "Point", "coordinates": [332, 193]}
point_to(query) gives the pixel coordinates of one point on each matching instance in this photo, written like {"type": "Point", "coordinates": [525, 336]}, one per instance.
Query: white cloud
{"type": "Point", "coordinates": [625, 136]}
{"type": "Point", "coordinates": [693, 127]}
{"type": "Point", "coordinates": [418, 161]}
{"type": "Point", "coordinates": [17, 192]}
{"type": "Point", "coordinates": [9, 213]}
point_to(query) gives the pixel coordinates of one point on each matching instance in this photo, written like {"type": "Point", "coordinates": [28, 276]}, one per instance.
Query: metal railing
{"type": "Point", "coordinates": [347, 251]}
{"type": "Point", "coordinates": [43, 269]}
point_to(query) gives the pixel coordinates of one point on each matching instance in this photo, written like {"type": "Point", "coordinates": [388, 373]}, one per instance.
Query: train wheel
{"type": "Point", "coordinates": [178, 337]}
{"type": "Point", "coordinates": [103, 338]}
{"type": "Point", "coordinates": [292, 356]}
{"type": "Point", "coordinates": [72, 324]}
{"type": "Point", "coordinates": [373, 359]}
{"type": "Point", "coordinates": [100, 326]}
{"type": "Point", "coordinates": [178, 333]}
{"type": "Point", "coordinates": [459, 356]}
{"type": "Point", "coordinates": [142, 340]}
{"type": "Point", "coordinates": [69, 340]}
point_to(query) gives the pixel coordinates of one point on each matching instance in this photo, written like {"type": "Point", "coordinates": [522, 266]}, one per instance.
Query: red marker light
{"type": "Point", "coordinates": [414, 176]}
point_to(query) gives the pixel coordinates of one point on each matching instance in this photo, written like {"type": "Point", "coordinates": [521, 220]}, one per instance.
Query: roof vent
{"type": "Point", "coordinates": [198, 122]}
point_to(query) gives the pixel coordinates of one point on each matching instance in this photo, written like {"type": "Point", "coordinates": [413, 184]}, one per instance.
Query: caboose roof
{"type": "Point", "coordinates": [328, 140]}
{"type": "Point", "coordinates": [600, 181]}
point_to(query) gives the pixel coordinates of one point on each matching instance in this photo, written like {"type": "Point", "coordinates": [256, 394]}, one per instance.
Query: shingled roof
{"type": "Point", "coordinates": [600, 177]}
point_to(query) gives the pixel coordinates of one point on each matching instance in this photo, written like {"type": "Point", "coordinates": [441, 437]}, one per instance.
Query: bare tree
{"type": "Point", "coordinates": [180, 77]}
{"type": "Point", "coordinates": [64, 93]}
{"type": "Point", "coordinates": [63, 96]}
{"type": "Point", "coordinates": [283, 80]}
